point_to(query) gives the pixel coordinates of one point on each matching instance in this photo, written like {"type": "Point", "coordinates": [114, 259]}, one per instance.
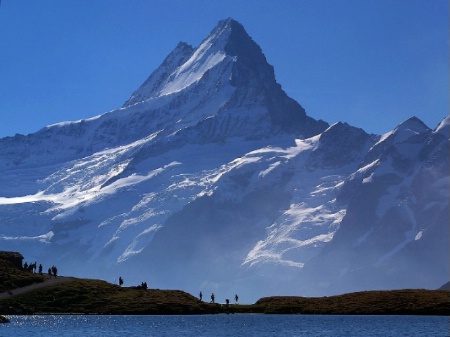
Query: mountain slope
{"type": "Point", "coordinates": [211, 178]}
{"type": "Point", "coordinates": [396, 229]}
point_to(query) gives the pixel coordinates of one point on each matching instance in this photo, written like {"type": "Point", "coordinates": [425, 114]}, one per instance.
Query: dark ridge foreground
{"type": "Point", "coordinates": [11, 277]}
{"type": "Point", "coordinates": [22, 292]}
{"type": "Point", "coordinates": [99, 297]}
{"type": "Point", "coordinates": [388, 302]}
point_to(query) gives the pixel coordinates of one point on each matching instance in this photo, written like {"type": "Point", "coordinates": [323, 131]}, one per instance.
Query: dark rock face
{"type": "Point", "coordinates": [255, 78]}
{"type": "Point", "coordinates": [13, 257]}
{"type": "Point", "coordinates": [340, 145]}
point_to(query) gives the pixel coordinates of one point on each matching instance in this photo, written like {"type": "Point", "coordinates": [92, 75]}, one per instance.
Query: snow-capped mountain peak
{"type": "Point", "coordinates": [185, 65]}
{"type": "Point", "coordinates": [228, 69]}
{"type": "Point", "coordinates": [223, 88]}
{"type": "Point", "coordinates": [210, 177]}
{"type": "Point", "coordinates": [405, 130]}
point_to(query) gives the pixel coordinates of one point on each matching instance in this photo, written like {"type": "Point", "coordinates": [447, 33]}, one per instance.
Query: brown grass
{"type": "Point", "coordinates": [99, 297]}
{"type": "Point", "coordinates": [392, 302]}
{"type": "Point", "coordinates": [11, 277]}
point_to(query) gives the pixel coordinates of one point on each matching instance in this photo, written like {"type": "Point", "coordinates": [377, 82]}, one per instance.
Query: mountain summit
{"type": "Point", "coordinates": [185, 65]}
{"type": "Point", "coordinates": [211, 178]}
{"type": "Point", "coordinates": [223, 88]}
{"type": "Point", "coordinates": [230, 64]}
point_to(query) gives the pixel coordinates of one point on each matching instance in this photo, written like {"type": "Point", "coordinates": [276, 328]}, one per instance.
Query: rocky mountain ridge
{"type": "Point", "coordinates": [211, 177]}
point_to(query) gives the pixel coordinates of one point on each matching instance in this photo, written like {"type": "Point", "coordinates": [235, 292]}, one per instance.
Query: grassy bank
{"type": "Point", "coordinates": [11, 277]}
{"type": "Point", "coordinates": [392, 302]}
{"type": "Point", "coordinates": [99, 297]}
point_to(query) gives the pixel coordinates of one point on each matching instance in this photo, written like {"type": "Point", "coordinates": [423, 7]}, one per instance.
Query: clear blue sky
{"type": "Point", "coordinates": [370, 63]}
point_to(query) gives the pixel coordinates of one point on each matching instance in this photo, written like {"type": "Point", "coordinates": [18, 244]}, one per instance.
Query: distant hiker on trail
{"type": "Point", "coordinates": [212, 298]}
{"type": "Point", "coordinates": [40, 269]}
{"type": "Point", "coordinates": [49, 271]}
{"type": "Point", "coordinates": [120, 281]}
{"type": "Point", "coordinates": [55, 271]}
{"type": "Point", "coordinates": [200, 296]}
{"type": "Point", "coordinates": [236, 299]}
{"type": "Point", "coordinates": [227, 301]}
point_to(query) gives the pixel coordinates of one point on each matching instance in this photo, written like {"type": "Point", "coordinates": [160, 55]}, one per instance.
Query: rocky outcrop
{"type": "Point", "coordinates": [14, 257]}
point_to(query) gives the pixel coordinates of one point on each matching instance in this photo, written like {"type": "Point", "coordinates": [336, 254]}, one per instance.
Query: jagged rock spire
{"type": "Point", "coordinates": [239, 59]}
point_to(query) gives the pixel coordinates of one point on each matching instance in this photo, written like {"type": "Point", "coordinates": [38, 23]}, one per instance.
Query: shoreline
{"type": "Point", "coordinates": [239, 312]}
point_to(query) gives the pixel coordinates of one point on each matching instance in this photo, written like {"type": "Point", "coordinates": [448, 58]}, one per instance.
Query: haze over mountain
{"type": "Point", "coordinates": [211, 178]}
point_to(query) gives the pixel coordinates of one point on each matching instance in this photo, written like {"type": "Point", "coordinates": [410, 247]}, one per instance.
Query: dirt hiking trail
{"type": "Point", "coordinates": [49, 281]}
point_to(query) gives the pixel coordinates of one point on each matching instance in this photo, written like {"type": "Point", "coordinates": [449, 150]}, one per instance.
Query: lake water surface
{"type": "Point", "coordinates": [225, 325]}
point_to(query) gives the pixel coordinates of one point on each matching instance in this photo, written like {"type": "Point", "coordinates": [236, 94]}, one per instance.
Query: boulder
{"type": "Point", "coordinates": [14, 257]}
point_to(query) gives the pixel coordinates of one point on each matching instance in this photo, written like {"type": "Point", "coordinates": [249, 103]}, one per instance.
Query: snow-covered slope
{"type": "Point", "coordinates": [396, 229]}
{"type": "Point", "coordinates": [211, 178]}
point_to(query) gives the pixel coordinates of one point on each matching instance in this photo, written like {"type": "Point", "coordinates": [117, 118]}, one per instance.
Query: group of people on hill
{"type": "Point", "coordinates": [213, 298]}
{"type": "Point", "coordinates": [33, 268]}
{"type": "Point", "coordinates": [53, 271]}
{"type": "Point", "coordinates": [143, 285]}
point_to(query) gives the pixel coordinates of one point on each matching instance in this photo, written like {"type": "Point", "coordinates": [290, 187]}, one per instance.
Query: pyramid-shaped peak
{"type": "Point", "coordinates": [186, 65]}
{"type": "Point", "coordinates": [230, 22]}
{"type": "Point", "coordinates": [412, 124]}
{"type": "Point", "coordinates": [228, 25]}
{"type": "Point", "coordinates": [404, 131]}
{"type": "Point", "coordinates": [230, 68]}
{"type": "Point", "coordinates": [232, 37]}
